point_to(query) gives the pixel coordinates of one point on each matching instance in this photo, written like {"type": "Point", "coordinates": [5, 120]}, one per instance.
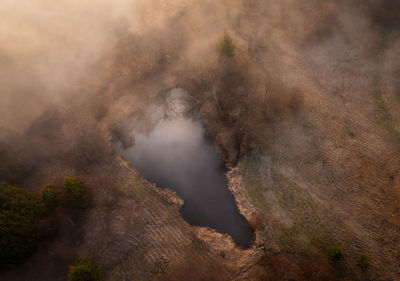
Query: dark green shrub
{"type": "Point", "coordinates": [85, 270]}
{"type": "Point", "coordinates": [364, 262]}
{"type": "Point", "coordinates": [75, 189]}
{"type": "Point", "coordinates": [20, 214]}
{"type": "Point", "coordinates": [335, 253]}
{"type": "Point", "coordinates": [226, 46]}
{"type": "Point", "coordinates": [50, 196]}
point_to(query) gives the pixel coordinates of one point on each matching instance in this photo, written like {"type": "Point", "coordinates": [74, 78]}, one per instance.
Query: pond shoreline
{"type": "Point", "coordinates": [175, 154]}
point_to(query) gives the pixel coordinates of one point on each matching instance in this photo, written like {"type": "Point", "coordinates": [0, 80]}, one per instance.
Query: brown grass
{"type": "Point", "coordinates": [279, 267]}
{"type": "Point", "coordinates": [195, 270]}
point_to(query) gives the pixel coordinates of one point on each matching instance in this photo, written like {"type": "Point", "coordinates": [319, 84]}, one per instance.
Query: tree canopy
{"type": "Point", "coordinates": [20, 214]}
{"type": "Point", "coordinates": [75, 188]}
{"type": "Point", "coordinates": [85, 270]}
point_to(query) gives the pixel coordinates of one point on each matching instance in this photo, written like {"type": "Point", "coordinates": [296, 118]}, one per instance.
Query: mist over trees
{"type": "Point", "coordinates": [72, 73]}
{"type": "Point", "coordinates": [147, 57]}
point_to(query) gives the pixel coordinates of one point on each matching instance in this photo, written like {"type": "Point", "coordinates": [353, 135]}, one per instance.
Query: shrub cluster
{"type": "Point", "coordinates": [335, 253]}
{"type": "Point", "coordinates": [76, 189]}
{"type": "Point", "coordinates": [50, 196]}
{"type": "Point", "coordinates": [85, 270]}
{"type": "Point", "coordinates": [20, 214]}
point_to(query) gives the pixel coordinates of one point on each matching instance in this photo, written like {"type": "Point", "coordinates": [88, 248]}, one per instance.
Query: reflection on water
{"type": "Point", "coordinates": [176, 155]}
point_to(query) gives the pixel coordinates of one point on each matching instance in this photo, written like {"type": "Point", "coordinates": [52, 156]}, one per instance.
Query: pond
{"type": "Point", "coordinates": [175, 154]}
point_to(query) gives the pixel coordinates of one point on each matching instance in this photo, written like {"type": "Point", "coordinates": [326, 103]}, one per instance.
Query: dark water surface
{"type": "Point", "coordinates": [176, 155]}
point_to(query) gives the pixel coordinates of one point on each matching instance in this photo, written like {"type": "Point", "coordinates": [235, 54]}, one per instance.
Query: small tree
{"type": "Point", "coordinates": [226, 46]}
{"type": "Point", "coordinates": [76, 189]}
{"type": "Point", "coordinates": [86, 270]}
{"type": "Point", "coordinates": [50, 196]}
{"type": "Point", "coordinates": [335, 253]}
{"type": "Point", "coordinates": [364, 262]}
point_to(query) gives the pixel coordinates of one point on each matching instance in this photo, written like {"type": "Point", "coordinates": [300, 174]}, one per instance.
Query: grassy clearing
{"type": "Point", "coordinates": [308, 234]}
{"type": "Point", "coordinates": [383, 116]}
{"type": "Point", "coordinates": [253, 183]}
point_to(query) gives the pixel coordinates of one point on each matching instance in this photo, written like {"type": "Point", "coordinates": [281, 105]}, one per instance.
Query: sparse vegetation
{"type": "Point", "coordinates": [20, 214]}
{"type": "Point", "coordinates": [86, 147]}
{"type": "Point", "coordinates": [86, 270]}
{"type": "Point", "coordinates": [15, 166]}
{"type": "Point", "coordinates": [280, 267]}
{"type": "Point", "coordinates": [191, 270]}
{"type": "Point", "coordinates": [335, 253]}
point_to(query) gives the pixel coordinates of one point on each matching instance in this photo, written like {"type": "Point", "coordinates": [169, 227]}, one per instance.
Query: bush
{"type": "Point", "coordinates": [50, 196]}
{"type": "Point", "coordinates": [76, 189]}
{"type": "Point", "coordinates": [335, 253]}
{"type": "Point", "coordinates": [364, 262]}
{"type": "Point", "coordinates": [226, 46]}
{"type": "Point", "coordinates": [85, 270]}
{"type": "Point", "coordinates": [20, 214]}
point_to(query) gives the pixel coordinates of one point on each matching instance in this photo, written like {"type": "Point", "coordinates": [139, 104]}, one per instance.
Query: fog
{"type": "Point", "coordinates": [46, 49]}
{"type": "Point", "coordinates": [96, 64]}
